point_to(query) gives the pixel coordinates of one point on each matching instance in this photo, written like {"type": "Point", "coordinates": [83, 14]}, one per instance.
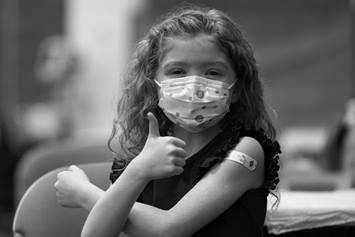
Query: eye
{"type": "Point", "coordinates": [214, 73]}
{"type": "Point", "coordinates": [176, 72]}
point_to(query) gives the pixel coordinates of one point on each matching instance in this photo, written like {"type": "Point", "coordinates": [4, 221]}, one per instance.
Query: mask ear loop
{"type": "Point", "coordinates": [158, 83]}
{"type": "Point", "coordinates": [231, 85]}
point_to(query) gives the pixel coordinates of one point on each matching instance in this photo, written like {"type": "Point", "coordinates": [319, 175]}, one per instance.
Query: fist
{"type": "Point", "coordinates": [70, 186]}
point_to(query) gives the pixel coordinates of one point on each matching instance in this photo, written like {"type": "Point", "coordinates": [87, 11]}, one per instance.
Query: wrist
{"type": "Point", "coordinates": [87, 195]}
{"type": "Point", "coordinates": [136, 173]}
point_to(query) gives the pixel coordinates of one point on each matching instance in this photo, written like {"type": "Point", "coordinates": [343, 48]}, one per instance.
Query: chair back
{"type": "Point", "coordinates": [49, 156]}
{"type": "Point", "coordinates": [38, 213]}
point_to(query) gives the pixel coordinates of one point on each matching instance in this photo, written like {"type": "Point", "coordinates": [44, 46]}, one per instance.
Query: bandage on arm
{"type": "Point", "coordinates": [242, 159]}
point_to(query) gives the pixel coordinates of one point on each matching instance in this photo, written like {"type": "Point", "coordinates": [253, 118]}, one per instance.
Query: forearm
{"type": "Point", "coordinates": [110, 213]}
{"type": "Point", "coordinates": [146, 221]}
{"type": "Point", "coordinates": [90, 196]}
{"type": "Point", "coordinates": [140, 218]}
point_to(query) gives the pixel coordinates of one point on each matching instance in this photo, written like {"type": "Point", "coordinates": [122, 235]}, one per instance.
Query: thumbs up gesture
{"type": "Point", "coordinates": [161, 157]}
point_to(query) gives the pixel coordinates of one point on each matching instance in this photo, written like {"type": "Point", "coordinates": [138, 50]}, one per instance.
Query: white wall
{"type": "Point", "coordinates": [101, 32]}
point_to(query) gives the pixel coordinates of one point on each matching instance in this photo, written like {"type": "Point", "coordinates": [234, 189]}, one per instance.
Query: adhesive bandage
{"type": "Point", "coordinates": [242, 159]}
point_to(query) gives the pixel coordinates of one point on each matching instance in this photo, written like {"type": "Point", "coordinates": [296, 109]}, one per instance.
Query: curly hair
{"type": "Point", "coordinates": [140, 93]}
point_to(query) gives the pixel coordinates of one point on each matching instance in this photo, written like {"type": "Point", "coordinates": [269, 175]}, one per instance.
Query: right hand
{"type": "Point", "coordinates": [161, 157]}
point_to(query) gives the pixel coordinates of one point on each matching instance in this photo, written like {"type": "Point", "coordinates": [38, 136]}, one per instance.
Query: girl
{"type": "Point", "coordinates": [204, 161]}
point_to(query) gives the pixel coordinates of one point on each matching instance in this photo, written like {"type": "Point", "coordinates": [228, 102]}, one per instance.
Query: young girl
{"type": "Point", "coordinates": [197, 155]}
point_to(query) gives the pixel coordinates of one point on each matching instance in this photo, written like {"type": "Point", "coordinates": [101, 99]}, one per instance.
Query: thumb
{"type": "Point", "coordinates": [153, 125]}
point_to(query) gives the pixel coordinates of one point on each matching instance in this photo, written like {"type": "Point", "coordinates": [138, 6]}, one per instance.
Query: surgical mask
{"type": "Point", "coordinates": [194, 103]}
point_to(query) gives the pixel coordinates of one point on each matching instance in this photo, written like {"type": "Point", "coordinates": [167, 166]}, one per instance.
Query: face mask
{"type": "Point", "coordinates": [194, 103]}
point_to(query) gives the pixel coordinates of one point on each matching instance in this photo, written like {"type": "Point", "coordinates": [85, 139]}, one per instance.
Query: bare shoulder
{"type": "Point", "coordinates": [251, 147]}
{"type": "Point", "coordinates": [247, 160]}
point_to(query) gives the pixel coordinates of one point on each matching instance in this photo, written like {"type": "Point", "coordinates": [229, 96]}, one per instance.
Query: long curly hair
{"type": "Point", "coordinates": [140, 93]}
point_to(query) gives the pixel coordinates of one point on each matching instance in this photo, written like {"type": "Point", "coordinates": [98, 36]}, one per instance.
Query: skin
{"type": "Point", "coordinates": [116, 210]}
{"type": "Point", "coordinates": [73, 189]}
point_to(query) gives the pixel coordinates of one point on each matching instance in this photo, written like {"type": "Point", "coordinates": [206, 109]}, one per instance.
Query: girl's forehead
{"type": "Point", "coordinates": [191, 48]}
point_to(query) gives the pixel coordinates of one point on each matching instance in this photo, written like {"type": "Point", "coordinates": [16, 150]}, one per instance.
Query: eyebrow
{"type": "Point", "coordinates": [217, 63]}
{"type": "Point", "coordinates": [222, 64]}
{"type": "Point", "coordinates": [175, 63]}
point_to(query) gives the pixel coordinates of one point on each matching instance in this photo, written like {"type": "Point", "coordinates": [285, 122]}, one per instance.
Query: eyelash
{"type": "Point", "coordinates": [179, 71]}
{"type": "Point", "coordinates": [214, 73]}
{"type": "Point", "coordinates": [176, 71]}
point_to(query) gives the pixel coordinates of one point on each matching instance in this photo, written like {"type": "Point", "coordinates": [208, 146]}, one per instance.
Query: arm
{"type": "Point", "coordinates": [161, 157]}
{"type": "Point", "coordinates": [89, 196]}
{"type": "Point", "coordinates": [110, 212]}
{"type": "Point", "coordinates": [209, 198]}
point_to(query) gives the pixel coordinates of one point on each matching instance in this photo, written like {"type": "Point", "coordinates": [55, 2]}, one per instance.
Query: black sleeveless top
{"type": "Point", "coordinates": [246, 216]}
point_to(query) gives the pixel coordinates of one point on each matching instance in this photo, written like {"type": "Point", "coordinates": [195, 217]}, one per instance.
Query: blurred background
{"type": "Point", "coordinates": [61, 61]}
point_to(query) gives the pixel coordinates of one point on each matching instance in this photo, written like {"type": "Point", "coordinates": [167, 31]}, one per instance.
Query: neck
{"type": "Point", "coordinates": [195, 141]}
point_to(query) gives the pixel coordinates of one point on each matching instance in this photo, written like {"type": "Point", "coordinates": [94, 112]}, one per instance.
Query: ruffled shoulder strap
{"type": "Point", "coordinates": [231, 139]}
{"type": "Point", "coordinates": [116, 170]}
{"type": "Point", "coordinates": [271, 152]}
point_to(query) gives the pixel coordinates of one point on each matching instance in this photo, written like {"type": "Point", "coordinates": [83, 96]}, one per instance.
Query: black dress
{"type": "Point", "coordinates": [246, 216]}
